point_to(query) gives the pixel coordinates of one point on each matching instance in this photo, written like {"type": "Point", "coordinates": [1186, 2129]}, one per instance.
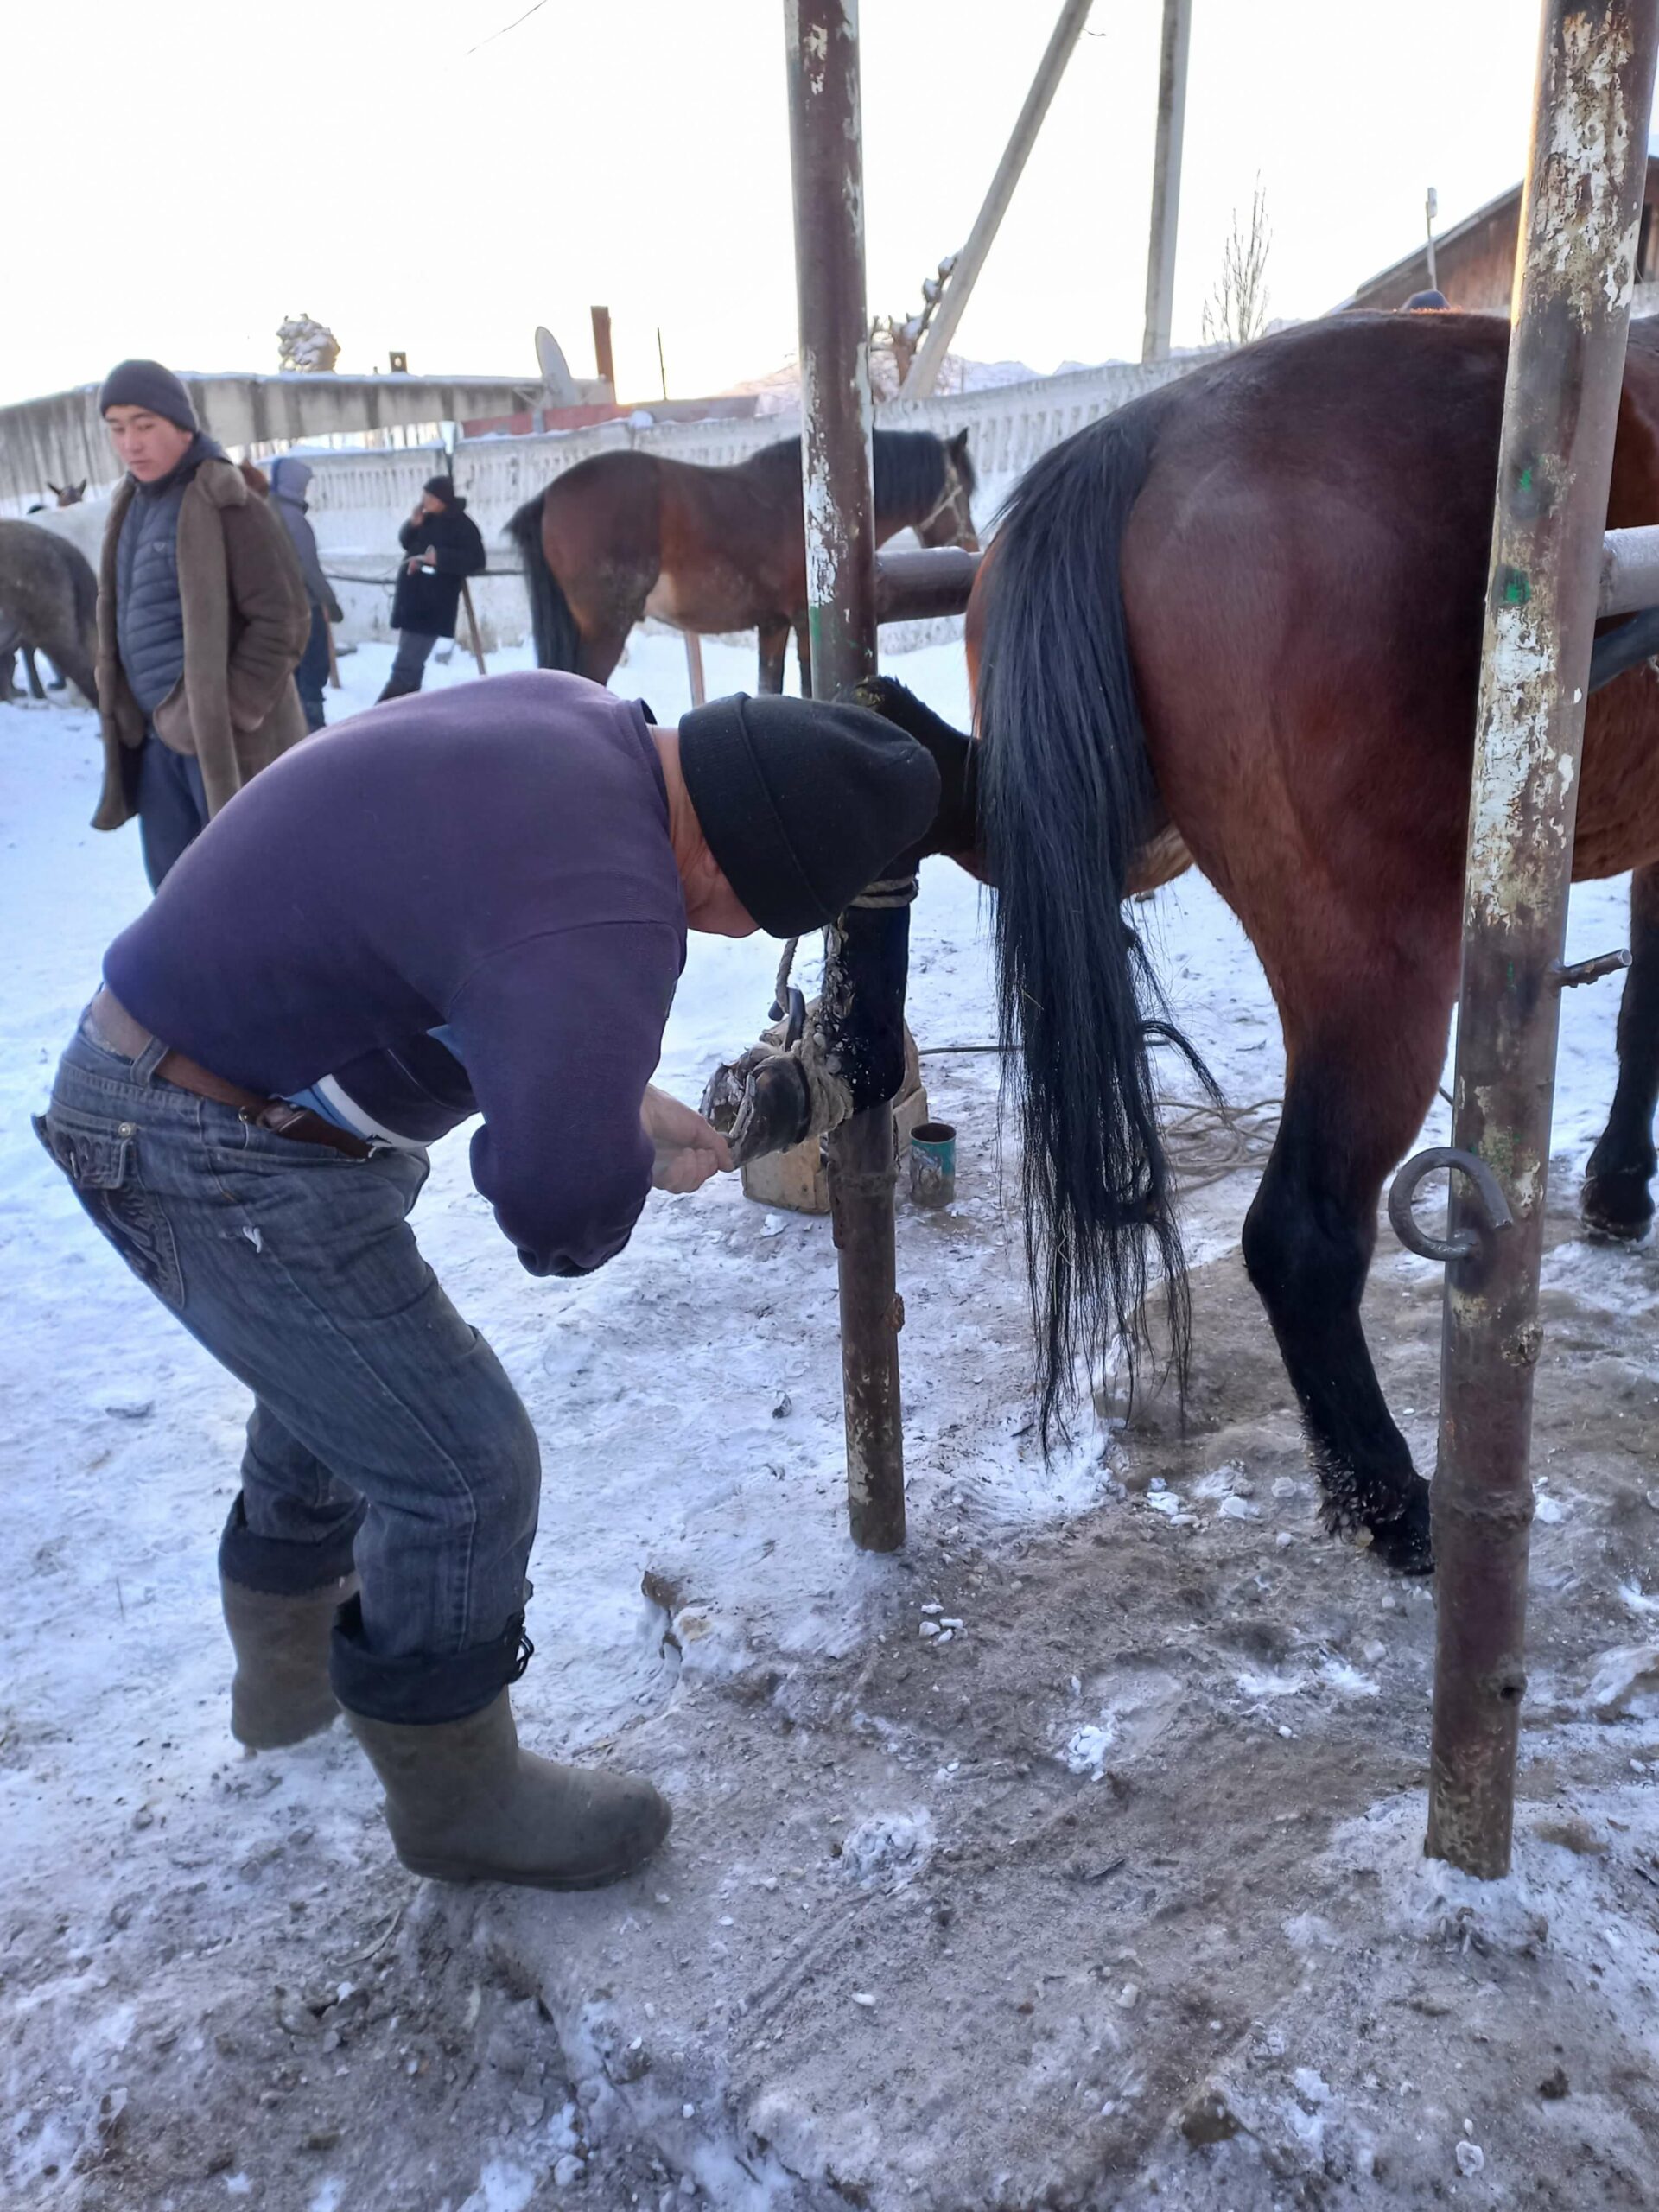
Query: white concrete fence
{"type": "Point", "coordinates": [358, 500]}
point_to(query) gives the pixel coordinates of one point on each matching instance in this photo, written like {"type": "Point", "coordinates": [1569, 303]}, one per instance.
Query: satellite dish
{"type": "Point", "coordinates": [556, 370]}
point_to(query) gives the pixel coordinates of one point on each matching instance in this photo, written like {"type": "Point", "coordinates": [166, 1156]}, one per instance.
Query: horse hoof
{"type": "Point", "coordinates": [1403, 1543]}
{"type": "Point", "coordinates": [1616, 1207]}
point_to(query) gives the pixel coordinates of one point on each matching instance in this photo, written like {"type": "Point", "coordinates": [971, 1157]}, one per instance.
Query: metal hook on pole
{"type": "Point", "coordinates": [1493, 1206]}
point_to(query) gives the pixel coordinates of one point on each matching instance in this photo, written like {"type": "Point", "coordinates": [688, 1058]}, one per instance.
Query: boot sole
{"type": "Point", "coordinates": [437, 1869]}
{"type": "Point", "coordinates": [255, 1741]}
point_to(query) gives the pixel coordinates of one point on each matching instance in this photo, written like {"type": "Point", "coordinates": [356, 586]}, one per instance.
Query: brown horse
{"type": "Point", "coordinates": [1240, 622]}
{"type": "Point", "coordinates": [625, 535]}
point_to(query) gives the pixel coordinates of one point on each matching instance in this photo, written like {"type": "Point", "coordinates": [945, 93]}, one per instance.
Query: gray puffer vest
{"type": "Point", "coordinates": [148, 613]}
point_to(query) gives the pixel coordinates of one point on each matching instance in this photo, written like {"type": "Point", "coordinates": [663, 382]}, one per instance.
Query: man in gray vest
{"type": "Point", "coordinates": [202, 617]}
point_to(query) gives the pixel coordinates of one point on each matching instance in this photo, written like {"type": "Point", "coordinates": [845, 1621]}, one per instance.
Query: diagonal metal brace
{"type": "Point", "coordinates": [1489, 1194]}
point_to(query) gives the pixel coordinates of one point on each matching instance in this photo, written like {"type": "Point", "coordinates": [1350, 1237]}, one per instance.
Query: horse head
{"type": "Point", "coordinates": [950, 520]}
{"type": "Point", "coordinates": [68, 495]}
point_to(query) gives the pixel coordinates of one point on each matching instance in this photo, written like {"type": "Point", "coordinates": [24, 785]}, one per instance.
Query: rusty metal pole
{"type": "Point", "coordinates": [862, 1004]}
{"type": "Point", "coordinates": [1566, 355]}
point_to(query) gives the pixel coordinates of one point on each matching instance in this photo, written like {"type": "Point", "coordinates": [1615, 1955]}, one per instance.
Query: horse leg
{"type": "Point", "coordinates": [772, 638]}
{"type": "Point", "coordinates": [1355, 1095]}
{"type": "Point", "coordinates": [36, 691]}
{"type": "Point", "coordinates": [1614, 1201]}
{"type": "Point", "coordinates": [600, 647]}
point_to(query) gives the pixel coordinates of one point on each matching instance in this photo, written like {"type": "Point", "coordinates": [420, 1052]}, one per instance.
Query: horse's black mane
{"type": "Point", "coordinates": [909, 468]}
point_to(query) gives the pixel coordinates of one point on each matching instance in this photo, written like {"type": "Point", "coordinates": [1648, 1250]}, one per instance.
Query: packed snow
{"type": "Point", "coordinates": [937, 1813]}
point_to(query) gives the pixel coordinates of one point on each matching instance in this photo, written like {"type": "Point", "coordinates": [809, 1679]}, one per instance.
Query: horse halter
{"type": "Point", "coordinates": [954, 499]}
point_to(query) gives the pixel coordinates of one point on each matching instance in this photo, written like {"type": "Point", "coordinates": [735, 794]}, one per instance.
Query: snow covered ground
{"type": "Point", "coordinates": [177, 1922]}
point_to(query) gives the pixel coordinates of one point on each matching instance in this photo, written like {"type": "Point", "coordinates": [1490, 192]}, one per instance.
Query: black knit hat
{"type": "Point", "coordinates": [441, 488]}
{"type": "Point", "coordinates": [147, 383]}
{"type": "Point", "coordinates": [802, 804]}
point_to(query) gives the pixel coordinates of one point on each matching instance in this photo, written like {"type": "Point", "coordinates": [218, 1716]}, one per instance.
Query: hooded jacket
{"type": "Point", "coordinates": [290, 479]}
{"type": "Point", "coordinates": [246, 621]}
{"type": "Point", "coordinates": [428, 601]}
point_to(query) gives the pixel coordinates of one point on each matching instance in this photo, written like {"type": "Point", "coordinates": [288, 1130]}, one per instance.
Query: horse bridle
{"type": "Point", "coordinates": [955, 496]}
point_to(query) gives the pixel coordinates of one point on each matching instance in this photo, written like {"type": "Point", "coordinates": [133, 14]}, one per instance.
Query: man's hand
{"type": "Point", "coordinates": [421, 561]}
{"type": "Point", "coordinates": [688, 1149]}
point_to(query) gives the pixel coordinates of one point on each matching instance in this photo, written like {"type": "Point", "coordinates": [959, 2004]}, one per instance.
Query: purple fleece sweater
{"type": "Point", "coordinates": [493, 858]}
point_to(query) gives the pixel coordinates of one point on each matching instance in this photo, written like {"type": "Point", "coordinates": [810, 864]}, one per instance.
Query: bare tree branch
{"type": "Point", "coordinates": [1236, 310]}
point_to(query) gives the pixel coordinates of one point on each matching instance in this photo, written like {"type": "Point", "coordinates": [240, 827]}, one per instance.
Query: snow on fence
{"type": "Point", "coordinates": [359, 499]}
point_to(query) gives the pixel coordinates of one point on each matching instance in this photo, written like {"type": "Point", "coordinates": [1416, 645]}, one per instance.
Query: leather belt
{"type": "Point", "coordinates": [130, 1038]}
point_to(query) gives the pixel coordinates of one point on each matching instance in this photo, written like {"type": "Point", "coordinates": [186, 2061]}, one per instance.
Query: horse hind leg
{"type": "Point", "coordinates": [1616, 1200]}
{"type": "Point", "coordinates": [773, 639]}
{"type": "Point", "coordinates": [1355, 1097]}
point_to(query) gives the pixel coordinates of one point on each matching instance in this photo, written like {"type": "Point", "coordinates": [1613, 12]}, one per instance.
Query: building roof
{"type": "Point", "coordinates": [1396, 269]}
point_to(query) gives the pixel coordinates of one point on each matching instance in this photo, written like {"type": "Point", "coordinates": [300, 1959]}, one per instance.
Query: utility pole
{"type": "Point", "coordinates": [1167, 178]}
{"type": "Point", "coordinates": [925, 369]}
{"type": "Point", "coordinates": [1431, 209]}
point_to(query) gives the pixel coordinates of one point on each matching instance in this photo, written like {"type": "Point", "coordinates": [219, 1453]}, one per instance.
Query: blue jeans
{"type": "Point", "coordinates": [313, 671]}
{"type": "Point", "coordinates": [383, 1431]}
{"type": "Point", "coordinates": [172, 805]}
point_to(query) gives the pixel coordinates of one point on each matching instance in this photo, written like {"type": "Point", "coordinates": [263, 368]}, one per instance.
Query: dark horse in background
{"type": "Point", "coordinates": [48, 601]}
{"type": "Point", "coordinates": [625, 535]}
{"type": "Point", "coordinates": [1239, 623]}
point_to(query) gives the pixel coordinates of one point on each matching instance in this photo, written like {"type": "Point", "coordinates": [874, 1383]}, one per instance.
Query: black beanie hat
{"type": "Point", "coordinates": [803, 804]}
{"type": "Point", "coordinates": [147, 383]}
{"type": "Point", "coordinates": [441, 488]}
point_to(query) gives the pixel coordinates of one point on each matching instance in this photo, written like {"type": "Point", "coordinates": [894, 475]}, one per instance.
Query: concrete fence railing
{"type": "Point", "coordinates": [359, 499]}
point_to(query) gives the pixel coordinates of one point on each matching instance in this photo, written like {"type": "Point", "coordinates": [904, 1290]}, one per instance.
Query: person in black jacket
{"type": "Point", "coordinates": [443, 547]}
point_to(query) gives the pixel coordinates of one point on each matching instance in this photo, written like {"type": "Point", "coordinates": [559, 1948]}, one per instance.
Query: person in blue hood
{"type": "Point", "coordinates": [290, 479]}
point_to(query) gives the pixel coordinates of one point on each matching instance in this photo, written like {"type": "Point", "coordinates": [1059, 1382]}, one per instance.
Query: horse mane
{"type": "Point", "coordinates": [909, 468]}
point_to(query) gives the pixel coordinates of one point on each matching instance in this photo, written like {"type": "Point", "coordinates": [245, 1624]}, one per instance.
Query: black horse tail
{"type": "Point", "coordinates": [552, 624]}
{"type": "Point", "coordinates": [1066, 795]}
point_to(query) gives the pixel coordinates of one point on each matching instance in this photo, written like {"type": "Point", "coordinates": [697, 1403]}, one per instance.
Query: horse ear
{"type": "Point", "coordinates": [959, 444]}
{"type": "Point", "coordinates": [55, 490]}
{"type": "Point", "coordinates": [81, 488]}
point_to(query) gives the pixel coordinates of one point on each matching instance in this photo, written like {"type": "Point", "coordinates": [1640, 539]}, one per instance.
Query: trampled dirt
{"type": "Point", "coordinates": [1071, 1859]}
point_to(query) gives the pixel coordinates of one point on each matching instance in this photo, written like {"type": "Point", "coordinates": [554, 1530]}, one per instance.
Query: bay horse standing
{"type": "Point", "coordinates": [627, 534]}
{"type": "Point", "coordinates": [1239, 623]}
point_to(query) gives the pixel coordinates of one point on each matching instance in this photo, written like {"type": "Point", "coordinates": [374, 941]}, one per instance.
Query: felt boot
{"type": "Point", "coordinates": [464, 1804]}
{"type": "Point", "coordinates": [280, 1693]}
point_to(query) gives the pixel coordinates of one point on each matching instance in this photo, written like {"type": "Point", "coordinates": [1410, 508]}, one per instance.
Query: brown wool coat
{"type": "Point", "coordinates": [246, 619]}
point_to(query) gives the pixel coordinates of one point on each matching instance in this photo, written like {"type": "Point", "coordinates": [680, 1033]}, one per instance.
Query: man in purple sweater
{"type": "Point", "coordinates": [469, 904]}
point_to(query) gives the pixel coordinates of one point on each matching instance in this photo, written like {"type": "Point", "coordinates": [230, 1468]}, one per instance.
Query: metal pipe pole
{"type": "Point", "coordinates": [925, 369]}
{"type": "Point", "coordinates": [862, 1002]}
{"type": "Point", "coordinates": [1167, 178]}
{"type": "Point", "coordinates": [1574, 271]}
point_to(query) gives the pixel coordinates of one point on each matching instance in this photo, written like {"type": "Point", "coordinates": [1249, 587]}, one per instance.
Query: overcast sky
{"type": "Point", "coordinates": [182, 175]}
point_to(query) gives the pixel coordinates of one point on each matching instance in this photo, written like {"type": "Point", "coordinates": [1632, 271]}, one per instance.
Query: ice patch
{"type": "Point", "coordinates": [502, 2187]}
{"type": "Point", "coordinates": [892, 1845]}
{"type": "Point", "coordinates": [1616, 1688]}
{"type": "Point", "coordinates": [1271, 1685]}
{"type": "Point", "coordinates": [1085, 1749]}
